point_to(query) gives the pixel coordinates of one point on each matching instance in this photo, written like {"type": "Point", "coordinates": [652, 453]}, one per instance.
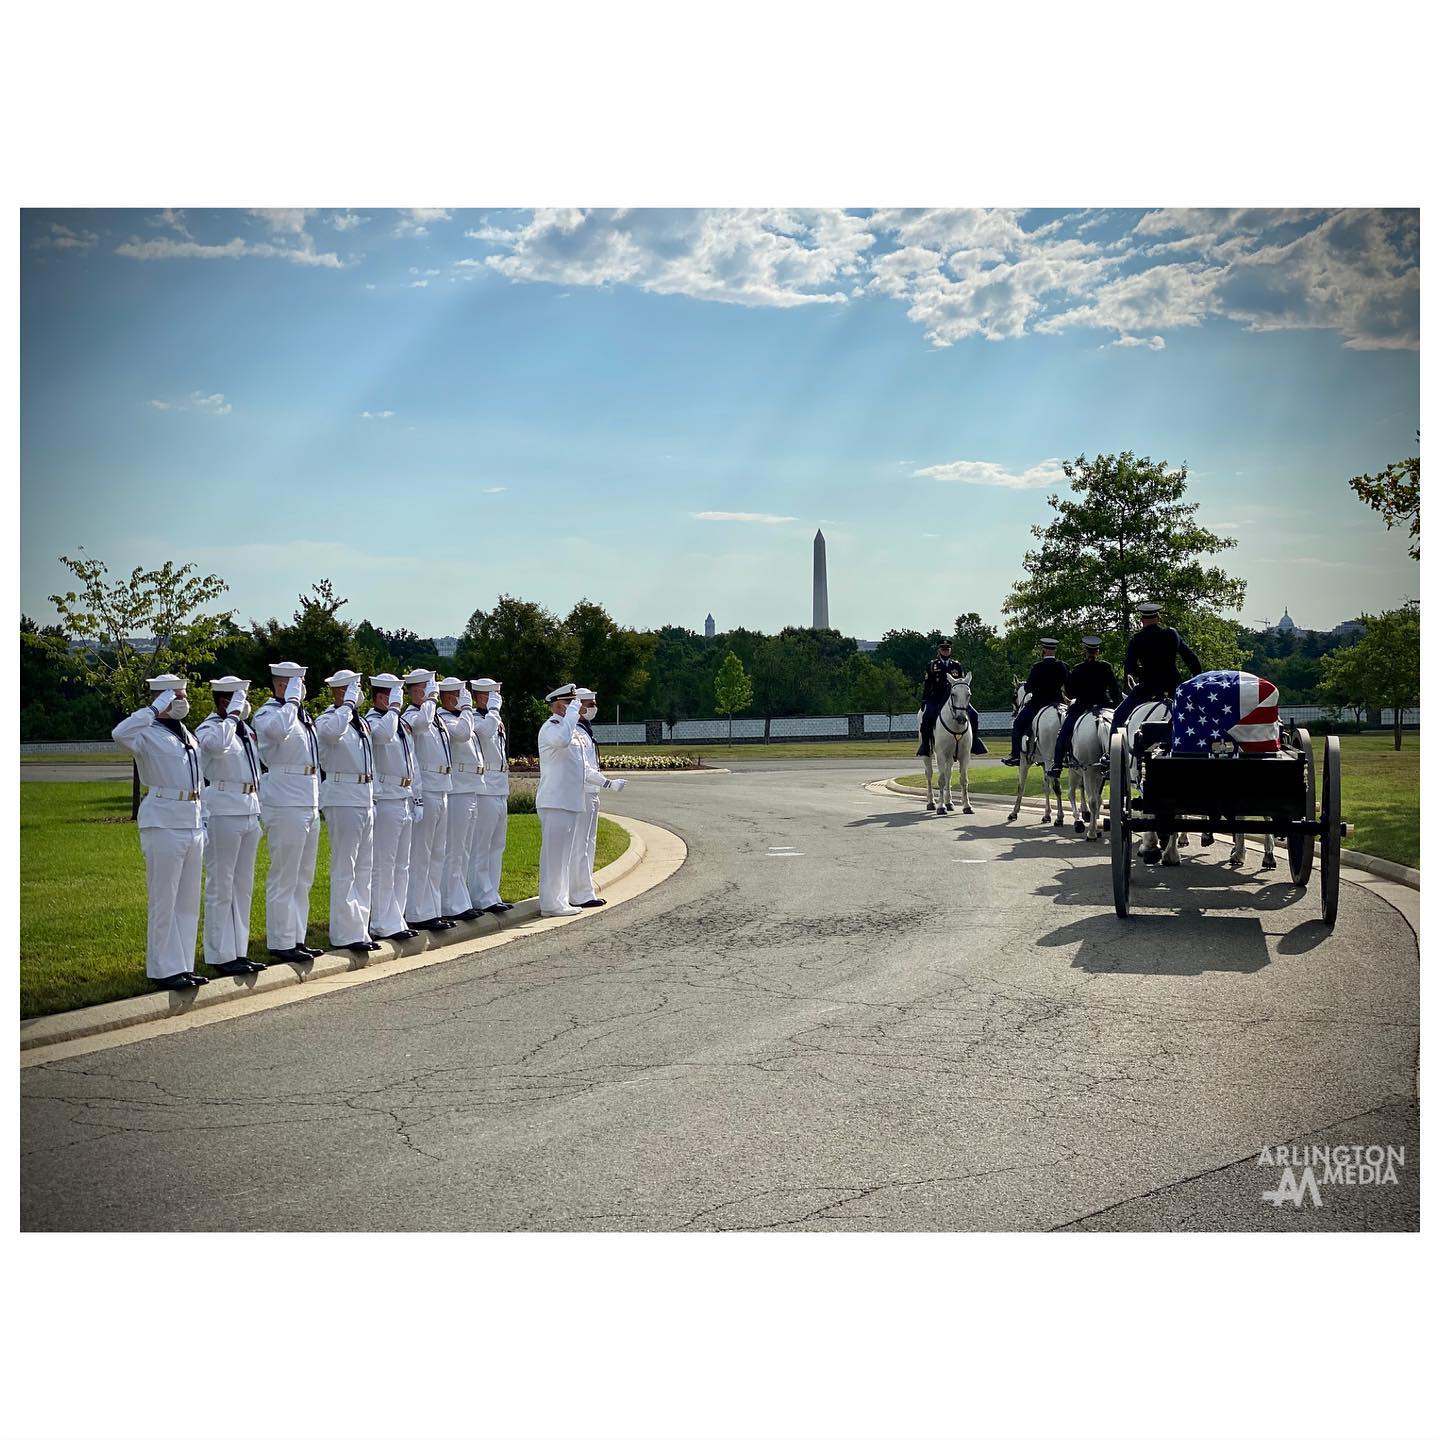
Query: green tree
{"type": "Point", "coordinates": [528, 650]}
{"type": "Point", "coordinates": [908, 649]}
{"type": "Point", "coordinates": [1386, 663]}
{"type": "Point", "coordinates": [733, 690]}
{"type": "Point", "coordinates": [898, 693]}
{"type": "Point", "coordinates": [611, 659]}
{"type": "Point", "coordinates": [1395, 494]}
{"type": "Point", "coordinates": [105, 616]}
{"type": "Point", "coordinates": [1127, 535]}
{"type": "Point", "coordinates": [1343, 682]}
{"type": "Point", "coordinates": [788, 678]}
{"type": "Point", "coordinates": [316, 638]}
{"type": "Point", "coordinates": [981, 651]}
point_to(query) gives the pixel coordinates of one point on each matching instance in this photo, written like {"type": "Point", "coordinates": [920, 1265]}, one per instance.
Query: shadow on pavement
{"type": "Point", "coordinates": [895, 818]}
{"type": "Point", "coordinates": [1163, 944]}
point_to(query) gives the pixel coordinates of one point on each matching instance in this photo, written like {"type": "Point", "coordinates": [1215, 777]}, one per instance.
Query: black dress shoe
{"type": "Point", "coordinates": [197, 979]}
{"type": "Point", "coordinates": [590, 904]}
{"type": "Point", "coordinates": [310, 951]}
{"type": "Point", "coordinates": [495, 909]}
{"type": "Point", "coordinates": [255, 965]}
{"type": "Point", "coordinates": [398, 936]}
{"type": "Point", "coordinates": [360, 947]}
{"type": "Point", "coordinates": [433, 923]}
{"type": "Point", "coordinates": [233, 967]}
{"type": "Point", "coordinates": [182, 981]}
{"type": "Point", "coordinates": [1009, 759]}
{"type": "Point", "coordinates": [444, 924]}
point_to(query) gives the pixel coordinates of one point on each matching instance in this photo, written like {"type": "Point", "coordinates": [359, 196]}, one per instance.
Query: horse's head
{"type": "Point", "coordinates": [1022, 694]}
{"type": "Point", "coordinates": [960, 691]}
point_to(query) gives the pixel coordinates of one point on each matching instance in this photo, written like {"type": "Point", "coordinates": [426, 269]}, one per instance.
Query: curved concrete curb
{"type": "Point", "coordinates": [161, 1006]}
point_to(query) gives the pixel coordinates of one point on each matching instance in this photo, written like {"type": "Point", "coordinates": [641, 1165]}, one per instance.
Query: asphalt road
{"type": "Point", "coordinates": [840, 1014]}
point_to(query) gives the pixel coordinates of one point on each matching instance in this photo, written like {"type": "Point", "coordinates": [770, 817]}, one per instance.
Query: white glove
{"type": "Point", "coordinates": [295, 689]}
{"type": "Point", "coordinates": [244, 711]}
{"type": "Point", "coordinates": [431, 688]}
{"type": "Point", "coordinates": [352, 693]}
{"type": "Point", "coordinates": [163, 701]}
{"type": "Point", "coordinates": [467, 700]}
{"type": "Point", "coordinates": [495, 701]}
{"type": "Point", "coordinates": [397, 694]}
{"type": "Point", "coordinates": [613, 784]}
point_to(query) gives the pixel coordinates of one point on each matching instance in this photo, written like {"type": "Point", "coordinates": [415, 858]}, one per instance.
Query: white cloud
{"type": "Point", "coordinates": [748, 517]}
{"type": "Point", "coordinates": [302, 252]}
{"type": "Point", "coordinates": [197, 401]}
{"type": "Point", "coordinates": [416, 223]}
{"type": "Point", "coordinates": [493, 490]}
{"type": "Point", "coordinates": [283, 222]}
{"type": "Point", "coordinates": [348, 220]}
{"type": "Point", "coordinates": [986, 472]}
{"type": "Point", "coordinates": [171, 220]}
{"type": "Point", "coordinates": [1155, 342]}
{"type": "Point", "coordinates": [62, 237]}
{"type": "Point", "coordinates": [377, 414]}
{"type": "Point", "coordinates": [418, 284]}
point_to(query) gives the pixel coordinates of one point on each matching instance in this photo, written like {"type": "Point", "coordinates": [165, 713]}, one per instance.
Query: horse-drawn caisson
{"type": "Point", "coordinates": [1202, 768]}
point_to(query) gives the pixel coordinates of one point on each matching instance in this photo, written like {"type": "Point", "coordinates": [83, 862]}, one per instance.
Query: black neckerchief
{"type": "Point", "coordinates": [188, 741]}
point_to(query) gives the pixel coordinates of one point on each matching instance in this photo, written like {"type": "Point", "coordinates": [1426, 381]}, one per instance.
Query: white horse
{"type": "Point", "coordinates": [1090, 744]}
{"type": "Point", "coordinates": [1044, 732]}
{"type": "Point", "coordinates": [1145, 713]}
{"type": "Point", "coordinates": [951, 742]}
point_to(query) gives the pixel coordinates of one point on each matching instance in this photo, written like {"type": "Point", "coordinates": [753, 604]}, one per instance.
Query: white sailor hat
{"type": "Point", "coordinates": [485, 684]}
{"type": "Point", "coordinates": [229, 684]}
{"type": "Point", "coordinates": [341, 677]}
{"type": "Point", "coordinates": [1049, 644]}
{"type": "Point", "coordinates": [1091, 642]}
{"type": "Point", "coordinates": [561, 692]}
{"type": "Point", "coordinates": [1148, 607]}
{"type": "Point", "coordinates": [384, 681]}
{"type": "Point", "coordinates": [581, 693]}
{"type": "Point", "coordinates": [167, 681]}
{"type": "Point", "coordinates": [287, 668]}
{"type": "Point", "coordinates": [449, 684]}
{"type": "Point", "coordinates": [417, 677]}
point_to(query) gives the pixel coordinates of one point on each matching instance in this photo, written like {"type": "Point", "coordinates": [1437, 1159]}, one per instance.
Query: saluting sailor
{"type": "Point", "coordinates": [427, 834]}
{"type": "Point", "coordinates": [582, 852]}
{"type": "Point", "coordinates": [457, 715]}
{"type": "Point", "coordinates": [559, 798]}
{"type": "Point", "coordinates": [1090, 684]}
{"type": "Point", "coordinates": [1150, 661]}
{"type": "Point", "coordinates": [289, 810]}
{"type": "Point", "coordinates": [934, 694]}
{"type": "Point", "coordinates": [393, 790]}
{"type": "Point", "coordinates": [230, 805]}
{"type": "Point", "coordinates": [487, 848]}
{"type": "Point", "coordinates": [1046, 684]}
{"type": "Point", "coordinates": [347, 798]}
{"type": "Point", "coordinates": [171, 838]}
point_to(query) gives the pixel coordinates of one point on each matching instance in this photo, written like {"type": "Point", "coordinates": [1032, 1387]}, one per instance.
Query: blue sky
{"type": "Point", "coordinates": [656, 409]}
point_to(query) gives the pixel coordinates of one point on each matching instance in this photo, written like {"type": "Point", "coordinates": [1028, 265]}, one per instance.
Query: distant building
{"type": "Point", "coordinates": [1286, 626]}
{"type": "Point", "coordinates": [709, 627]}
{"type": "Point", "coordinates": [867, 644]}
{"type": "Point", "coordinates": [140, 644]}
{"type": "Point", "coordinates": [820, 611]}
{"type": "Point", "coordinates": [445, 645]}
{"type": "Point", "coordinates": [1348, 627]}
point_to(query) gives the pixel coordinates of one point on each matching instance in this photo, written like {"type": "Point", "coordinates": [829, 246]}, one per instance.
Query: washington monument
{"type": "Point", "coordinates": [821, 618]}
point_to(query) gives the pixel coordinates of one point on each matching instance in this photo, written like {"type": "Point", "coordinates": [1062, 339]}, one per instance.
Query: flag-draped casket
{"type": "Point", "coordinates": [1221, 704]}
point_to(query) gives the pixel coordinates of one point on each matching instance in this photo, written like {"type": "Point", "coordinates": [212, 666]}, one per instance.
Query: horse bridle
{"type": "Point", "coordinates": [961, 714]}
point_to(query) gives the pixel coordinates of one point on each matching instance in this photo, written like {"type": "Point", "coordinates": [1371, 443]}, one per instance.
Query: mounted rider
{"type": "Point", "coordinates": [936, 693]}
{"type": "Point", "coordinates": [1150, 662]}
{"type": "Point", "coordinates": [1046, 686]}
{"type": "Point", "coordinates": [1090, 684]}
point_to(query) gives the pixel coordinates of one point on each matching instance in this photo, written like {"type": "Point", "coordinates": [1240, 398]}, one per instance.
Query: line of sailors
{"type": "Point", "coordinates": [414, 793]}
{"type": "Point", "coordinates": [1150, 662]}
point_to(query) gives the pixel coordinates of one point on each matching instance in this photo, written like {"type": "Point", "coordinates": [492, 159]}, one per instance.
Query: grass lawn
{"type": "Point", "coordinates": [82, 892]}
{"type": "Point", "coordinates": [1379, 793]}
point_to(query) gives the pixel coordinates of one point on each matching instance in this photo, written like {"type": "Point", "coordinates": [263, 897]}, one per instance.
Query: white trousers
{"type": "Point", "coordinates": [427, 858]}
{"type": "Point", "coordinates": [230, 845]}
{"type": "Point", "coordinates": [557, 836]}
{"type": "Point", "coordinates": [582, 855]}
{"type": "Point", "coordinates": [487, 850]}
{"type": "Point", "coordinates": [172, 885]}
{"type": "Point", "coordinates": [390, 876]}
{"type": "Point", "coordinates": [352, 836]}
{"type": "Point", "coordinates": [293, 835]}
{"type": "Point", "coordinates": [459, 832]}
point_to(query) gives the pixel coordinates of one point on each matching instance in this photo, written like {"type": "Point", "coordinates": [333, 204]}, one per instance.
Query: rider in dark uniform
{"type": "Point", "coordinates": [934, 696]}
{"type": "Point", "coordinates": [1150, 661]}
{"type": "Point", "coordinates": [1092, 682]}
{"type": "Point", "coordinates": [1046, 684]}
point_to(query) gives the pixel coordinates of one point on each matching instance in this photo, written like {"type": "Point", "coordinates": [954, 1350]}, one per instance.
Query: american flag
{"type": "Point", "coordinates": [1226, 703]}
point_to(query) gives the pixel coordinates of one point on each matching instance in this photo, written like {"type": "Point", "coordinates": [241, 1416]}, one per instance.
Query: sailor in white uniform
{"type": "Point", "coordinates": [394, 788]}
{"type": "Point", "coordinates": [457, 715]}
{"type": "Point", "coordinates": [347, 801]}
{"type": "Point", "coordinates": [289, 811]}
{"type": "Point", "coordinates": [171, 838]}
{"type": "Point", "coordinates": [230, 805]}
{"type": "Point", "coordinates": [487, 848]}
{"type": "Point", "coordinates": [427, 834]}
{"type": "Point", "coordinates": [582, 851]}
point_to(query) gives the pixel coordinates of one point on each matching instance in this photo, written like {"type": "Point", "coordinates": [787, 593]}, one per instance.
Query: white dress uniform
{"type": "Point", "coordinates": [559, 801]}
{"type": "Point", "coordinates": [487, 849]}
{"type": "Point", "coordinates": [394, 788]}
{"type": "Point", "coordinates": [427, 835]}
{"type": "Point", "coordinates": [347, 800]}
{"type": "Point", "coordinates": [466, 774]}
{"type": "Point", "coordinates": [582, 850]}
{"type": "Point", "coordinates": [289, 810]}
{"type": "Point", "coordinates": [230, 805]}
{"type": "Point", "coordinates": [171, 838]}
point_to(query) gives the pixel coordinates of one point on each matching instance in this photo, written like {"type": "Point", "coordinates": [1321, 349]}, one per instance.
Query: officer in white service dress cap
{"type": "Point", "coordinates": [171, 838]}
{"type": "Point", "coordinates": [582, 852]}
{"type": "Point", "coordinates": [457, 715]}
{"type": "Point", "coordinates": [487, 847]}
{"type": "Point", "coordinates": [289, 810]}
{"type": "Point", "coordinates": [347, 761]}
{"type": "Point", "coordinates": [427, 834]}
{"type": "Point", "coordinates": [394, 791]}
{"type": "Point", "coordinates": [230, 806]}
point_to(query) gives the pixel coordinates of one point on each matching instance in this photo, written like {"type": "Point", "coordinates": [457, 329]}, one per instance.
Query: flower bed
{"type": "Point", "coordinates": [609, 760]}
